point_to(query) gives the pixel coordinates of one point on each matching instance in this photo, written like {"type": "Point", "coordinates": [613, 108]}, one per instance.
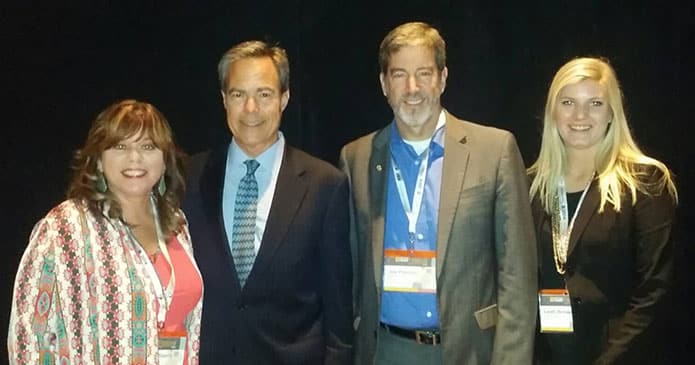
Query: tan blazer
{"type": "Point", "coordinates": [486, 251]}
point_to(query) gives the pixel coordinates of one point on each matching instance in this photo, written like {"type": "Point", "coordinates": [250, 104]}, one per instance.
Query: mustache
{"type": "Point", "coordinates": [413, 96]}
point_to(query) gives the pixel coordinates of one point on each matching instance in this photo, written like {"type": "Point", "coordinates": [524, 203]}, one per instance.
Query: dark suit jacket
{"type": "Point", "coordinates": [486, 247]}
{"type": "Point", "coordinates": [618, 270]}
{"type": "Point", "coordinates": [296, 306]}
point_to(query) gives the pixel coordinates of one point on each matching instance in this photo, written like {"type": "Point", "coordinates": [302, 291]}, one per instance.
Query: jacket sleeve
{"type": "Point", "coordinates": [345, 166]}
{"type": "Point", "coordinates": [37, 329]}
{"type": "Point", "coordinates": [515, 248]}
{"type": "Point", "coordinates": [336, 277]}
{"type": "Point", "coordinates": [653, 221]}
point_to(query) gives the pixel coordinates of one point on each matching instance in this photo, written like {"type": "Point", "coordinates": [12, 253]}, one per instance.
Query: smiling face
{"type": "Point", "coordinates": [254, 103]}
{"type": "Point", "coordinates": [582, 114]}
{"type": "Point", "coordinates": [413, 85]}
{"type": "Point", "coordinates": [132, 167]}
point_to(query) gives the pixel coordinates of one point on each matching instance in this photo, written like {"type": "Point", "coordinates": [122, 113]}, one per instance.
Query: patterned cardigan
{"type": "Point", "coordinates": [82, 296]}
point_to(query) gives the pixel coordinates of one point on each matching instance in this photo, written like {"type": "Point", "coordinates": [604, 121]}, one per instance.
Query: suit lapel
{"type": "Point", "coordinates": [379, 165]}
{"type": "Point", "coordinates": [456, 153]}
{"type": "Point", "coordinates": [586, 211]}
{"type": "Point", "coordinates": [290, 191]}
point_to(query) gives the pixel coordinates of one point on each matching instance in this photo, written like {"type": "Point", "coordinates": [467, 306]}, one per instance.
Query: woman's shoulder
{"type": "Point", "coordinates": [649, 174]}
{"type": "Point", "coordinates": [652, 180]}
{"type": "Point", "coordinates": [70, 214]}
{"type": "Point", "coordinates": [62, 220]}
{"type": "Point", "coordinates": [181, 230]}
{"type": "Point", "coordinates": [67, 209]}
{"type": "Point", "coordinates": [182, 216]}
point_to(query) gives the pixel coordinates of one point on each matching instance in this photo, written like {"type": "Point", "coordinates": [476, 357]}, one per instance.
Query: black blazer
{"type": "Point", "coordinates": [618, 271]}
{"type": "Point", "coordinates": [296, 306]}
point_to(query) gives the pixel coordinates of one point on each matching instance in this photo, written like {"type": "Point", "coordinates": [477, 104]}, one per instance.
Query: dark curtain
{"type": "Point", "coordinates": [61, 64]}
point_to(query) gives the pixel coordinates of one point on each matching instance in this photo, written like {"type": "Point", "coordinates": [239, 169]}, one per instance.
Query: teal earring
{"type": "Point", "coordinates": [101, 182]}
{"type": "Point", "coordinates": [162, 186]}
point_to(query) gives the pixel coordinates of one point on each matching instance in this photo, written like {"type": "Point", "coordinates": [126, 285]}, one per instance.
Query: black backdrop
{"type": "Point", "coordinates": [61, 64]}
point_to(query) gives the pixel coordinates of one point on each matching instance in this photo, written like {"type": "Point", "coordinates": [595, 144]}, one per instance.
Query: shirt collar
{"type": "Point", "coordinates": [236, 156]}
{"type": "Point", "coordinates": [435, 139]}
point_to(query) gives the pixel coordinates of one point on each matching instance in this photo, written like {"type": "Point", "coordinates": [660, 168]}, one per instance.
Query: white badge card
{"type": "Point", "coordinates": [410, 271]}
{"type": "Point", "coordinates": [555, 309]}
{"type": "Point", "coordinates": [172, 348]}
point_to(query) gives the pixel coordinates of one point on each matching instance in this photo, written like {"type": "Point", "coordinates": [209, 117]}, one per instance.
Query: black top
{"type": "Point", "coordinates": [563, 348]}
{"type": "Point", "coordinates": [550, 279]}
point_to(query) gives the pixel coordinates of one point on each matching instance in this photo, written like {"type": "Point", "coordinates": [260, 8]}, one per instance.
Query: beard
{"type": "Point", "coordinates": [416, 115]}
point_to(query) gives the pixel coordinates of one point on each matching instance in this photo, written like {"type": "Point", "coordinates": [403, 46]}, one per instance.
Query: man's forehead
{"type": "Point", "coordinates": [421, 56]}
{"type": "Point", "coordinates": [252, 80]}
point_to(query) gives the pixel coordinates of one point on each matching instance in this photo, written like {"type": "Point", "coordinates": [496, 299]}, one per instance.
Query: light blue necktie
{"type": "Point", "coordinates": [244, 229]}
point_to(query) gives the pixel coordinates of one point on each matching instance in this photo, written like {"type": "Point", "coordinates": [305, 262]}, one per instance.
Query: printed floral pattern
{"type": "Point", "coordinates": [82, 296]}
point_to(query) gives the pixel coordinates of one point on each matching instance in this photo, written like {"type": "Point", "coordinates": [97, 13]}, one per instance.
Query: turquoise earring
{"type": "Point", "coordinates": [162, 186]}
{"type": "Point", "coordinates": [101, 183]}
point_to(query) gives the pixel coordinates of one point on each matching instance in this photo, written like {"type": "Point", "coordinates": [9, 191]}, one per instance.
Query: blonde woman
{"type": "Point", "coordinates": [604, 213]}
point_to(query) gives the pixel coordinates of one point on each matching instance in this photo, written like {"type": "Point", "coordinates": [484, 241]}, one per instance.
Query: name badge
{"type": "Point", "coordinates": [555, 309]}
{"type": "Point", "coordinates": [172, 348]}
{"type": "Point", "coordinates": [410, 271]}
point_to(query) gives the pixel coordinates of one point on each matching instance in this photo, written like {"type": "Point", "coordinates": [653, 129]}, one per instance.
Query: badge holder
{"type": "Point", "coordinates": [172, 348]}
{"type": "Point", "coordinates": [555, 309]}
{"type": "Point", "coordinates": [410, 271]}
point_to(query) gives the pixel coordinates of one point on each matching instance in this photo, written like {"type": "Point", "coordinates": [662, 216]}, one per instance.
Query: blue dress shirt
{"type": "Point", "coordinates": [402, 309]}
{"type": "Point", "coordinates": [266, 176]}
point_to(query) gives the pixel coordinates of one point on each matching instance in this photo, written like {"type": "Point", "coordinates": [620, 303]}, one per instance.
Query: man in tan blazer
{"type": "Point", "coordinates": [442, 236]}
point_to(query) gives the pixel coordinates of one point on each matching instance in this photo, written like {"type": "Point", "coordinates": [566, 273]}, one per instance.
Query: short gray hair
{"type": "Point", "coordinates": [253, 49]}
{"type": "Point", "coordinates": [412, 34]}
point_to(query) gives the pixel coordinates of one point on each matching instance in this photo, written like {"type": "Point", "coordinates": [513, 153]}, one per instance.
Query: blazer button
{"type": "Point", "coordinates": [577, 300]}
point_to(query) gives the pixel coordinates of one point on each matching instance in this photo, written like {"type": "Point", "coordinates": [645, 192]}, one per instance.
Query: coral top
{"type": "Point", "coordinates": [187, 290]}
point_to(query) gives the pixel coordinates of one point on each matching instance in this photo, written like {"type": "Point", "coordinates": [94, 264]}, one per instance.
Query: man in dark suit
{"type": "Point", "coordinates": [442, 234]}
{"type": "Point", "coordinates": [270, 230]}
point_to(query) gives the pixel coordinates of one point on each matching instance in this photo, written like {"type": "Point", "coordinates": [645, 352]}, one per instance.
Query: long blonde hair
{"type": "Point", "coordinates": [620, 164]}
